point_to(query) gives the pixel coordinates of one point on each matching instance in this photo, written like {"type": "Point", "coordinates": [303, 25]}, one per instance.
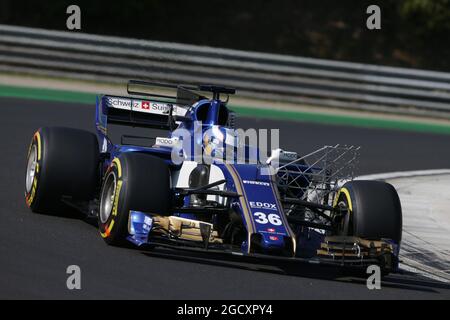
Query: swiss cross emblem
{"type": "Point", "coordinates": [145, 105]}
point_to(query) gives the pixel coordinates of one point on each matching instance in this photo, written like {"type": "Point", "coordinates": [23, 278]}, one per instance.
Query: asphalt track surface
{"type": "Point", "coordinates": [35, 250]}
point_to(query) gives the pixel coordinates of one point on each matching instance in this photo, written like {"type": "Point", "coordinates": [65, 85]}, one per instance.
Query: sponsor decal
{"type": "Point", "coordinates": [145, 105]}
{"type": "Point", "coordinates": [273, 238]}
{"type": "Point", "coordinates": [160, 108]}
{"type": "Point", "coordinates": [273, 233]}
{"type": "Point", "coordinates": [119, 103]}
{"type": "Point", "coordinates": [288, 155]}
{"type": "Point", "coordinates": [271, 230]}
{"type": "Point", "coordinates": [166, 142]}
{"type": "Point", "coordinates": [141, 105]}
{"type": "Point", "coordinates": [258, 183]}
{"type": "Point", "coordinates": [262, 218]}
{"type": "Point", "coordinates": [263, 205]}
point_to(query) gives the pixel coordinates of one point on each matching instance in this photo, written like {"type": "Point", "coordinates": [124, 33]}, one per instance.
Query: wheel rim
{"type": "Point", "coordinates": [108, 196]}
{"type": "Point", "coordinates": [31, 168]}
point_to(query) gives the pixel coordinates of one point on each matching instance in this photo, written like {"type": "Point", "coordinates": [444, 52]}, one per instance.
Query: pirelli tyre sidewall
{"type": "Point", "coordinates": [141, 182]}
{"type": "Point", "coordinates": [111, 225]}
{"type": "Point", "coordinates": [61, 162]}
{"type": "Point", "coordinates": [34, 163]}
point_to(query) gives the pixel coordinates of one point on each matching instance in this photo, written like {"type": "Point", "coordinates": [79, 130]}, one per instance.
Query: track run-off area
{"type": "Point", "coordinates": [35, 250]}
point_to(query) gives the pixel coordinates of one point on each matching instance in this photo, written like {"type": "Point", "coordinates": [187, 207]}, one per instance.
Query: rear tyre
{"type": "Point", "coordinates": [133, 181]}
{"type": "Point", "coordinates": [61, 162]}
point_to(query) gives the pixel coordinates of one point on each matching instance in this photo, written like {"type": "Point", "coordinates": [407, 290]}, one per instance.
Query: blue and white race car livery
{"type": "Point", "coordinates": [199, 185]}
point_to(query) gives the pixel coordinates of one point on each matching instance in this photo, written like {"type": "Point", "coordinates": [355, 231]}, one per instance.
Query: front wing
{"type": "Point", "coordinates": [339, 251]}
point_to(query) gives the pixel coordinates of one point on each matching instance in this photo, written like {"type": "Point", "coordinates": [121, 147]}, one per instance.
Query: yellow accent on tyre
{"type": "Point", "coordinates": [38, 138]}
{"type": "Point", "coordinates": [116, 161]}
{"type": "Point", "coordinates": [347, 195]}
{"type": "Point", "coordinates": [108, 230]}
{"type": "Point", "coordinates": [116, 198]}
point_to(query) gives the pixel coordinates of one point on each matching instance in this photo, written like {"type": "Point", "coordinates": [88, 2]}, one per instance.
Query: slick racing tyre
{"type": "Point", "coordinates": [133, 181]}
{"type": "Point", "coordinates": [374, 210]}
{"type": "Point", "coordinates": [61, 162]}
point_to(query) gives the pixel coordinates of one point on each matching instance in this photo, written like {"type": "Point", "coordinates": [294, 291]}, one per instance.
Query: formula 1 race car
{"type": "Point", "coordinates": [199, 186]}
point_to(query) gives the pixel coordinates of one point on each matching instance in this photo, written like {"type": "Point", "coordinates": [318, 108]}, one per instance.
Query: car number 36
{"type": "Point", "coordinates": [272, 218]}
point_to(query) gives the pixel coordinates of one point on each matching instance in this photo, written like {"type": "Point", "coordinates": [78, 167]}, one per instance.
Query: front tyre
{"type": "Point", "coordinates": [374, 210]}
{"type": "Point", "coordinates": [133, 181]}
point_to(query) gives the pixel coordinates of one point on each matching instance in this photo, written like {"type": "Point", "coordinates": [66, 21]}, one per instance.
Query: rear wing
{"type": "Point", "coordinates": [137, 112]}
{"type": "Point", "coordinates": [185, 94]}
{"type": "Point", "coordinates": [153, 108]}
